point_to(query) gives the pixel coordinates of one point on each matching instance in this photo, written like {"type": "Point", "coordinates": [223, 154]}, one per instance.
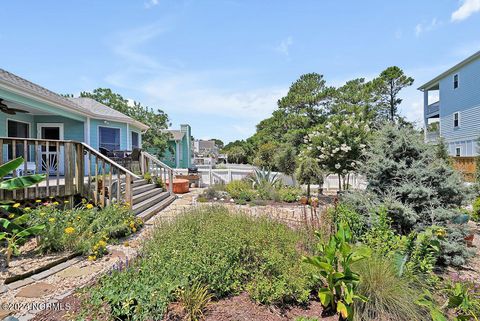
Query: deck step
{"type": "Point", "coordinates": [149, 212]}
{"type": "Point", "coordinates": [142, 189]}
{"type": "Point", "coordinates": [150, 202]}
{"type": "Point", "coordinates": [139, 182]}
{"type": "Point", "coordinates": [145, 195]}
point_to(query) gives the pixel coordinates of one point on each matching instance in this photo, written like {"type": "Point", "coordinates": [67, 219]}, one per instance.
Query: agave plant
{"type": "Point", "coordinates": [17, 182]}
{"type": "Point", "coordinates": [263, 177]}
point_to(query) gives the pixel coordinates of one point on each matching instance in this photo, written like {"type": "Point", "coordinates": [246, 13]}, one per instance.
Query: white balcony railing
{"type": "Point", "coordinates": [433, 108]}
{"type": "Point", "coordinates": [432, 136]}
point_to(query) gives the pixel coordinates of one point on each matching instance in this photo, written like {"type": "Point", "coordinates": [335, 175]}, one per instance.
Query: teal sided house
{"type": "Point", "coordinates": [179, 153]}
{"type": "Point", "coordinates": [78, 143]}
{"type": "Point", "coordinates": [30, 111]}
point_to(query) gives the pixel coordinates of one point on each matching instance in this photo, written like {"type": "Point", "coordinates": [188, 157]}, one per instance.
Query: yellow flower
{"type": "Point", "coordinates": [134, 230]}
{"type": "Point", "coordinates": [11, 215]}
{"type": "Point", "coordinates": [127, 204]}
{"type": "Point", "coordinates": [84, 200]}
{"type": "Point", "coordinates": [92, 257]}
{"type": "Point", "coordinates": [102, 243]}
{"type": "Point", "coordinates": [56, 203]}
{"type": "Point", "coordinates": [69, 230]}
{"type": "Point", "coordinates": [51, 219]}
{"type": "Point", "coordinates": [16, 205]}
{"type": "Point", "coordinates": [38, 201]}
{"type": "Point", "coordinates": [42, 213]}
{"type": "Point", "coordinates": [26, 209]}
{"type": "Point", "coordinates": [66, 202]}
{"type": "Point", "coordinates": [132, 224]}
{"type": "Point", "coordinates": [89, 206]}
{"type": "Point", "coordinates": [441, 233]}
{"type": "Point", "coordinates": [78, 218]}
{"type": "Point", "coordinates": [126, 243]}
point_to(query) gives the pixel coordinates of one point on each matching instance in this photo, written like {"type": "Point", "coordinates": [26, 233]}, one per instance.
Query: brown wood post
{"type": "Point", "coordinates": [128, 189]}
{"type": "Point", "coordinates": [79, 169]}
{"type": "Point", "coordinates": [69, 169]}
{"type": "Point", "coordinates": [170, 181]}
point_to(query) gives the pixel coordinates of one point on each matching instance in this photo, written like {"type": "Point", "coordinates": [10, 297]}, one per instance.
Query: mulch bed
{"type": "Point", "coordinates": [237, 308]}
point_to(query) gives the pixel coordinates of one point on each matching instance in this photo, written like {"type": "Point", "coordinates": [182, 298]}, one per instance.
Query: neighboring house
{"type": "Point", "coordinates": [28, 110]}
{"type": "Point", "coordinates": [454, 113]}
{"type": "Point", "coordinates": [179, 153]}
{"type": "Point", "coordinates": [206, 152]}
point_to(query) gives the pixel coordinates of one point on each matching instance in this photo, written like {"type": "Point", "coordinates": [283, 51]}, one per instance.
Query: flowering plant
{"type": "Point", "coordinates": [339, 143]}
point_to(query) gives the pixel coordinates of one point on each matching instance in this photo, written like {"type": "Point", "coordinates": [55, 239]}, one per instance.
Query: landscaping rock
{"type": "Point", "coordinates": [19, 284]}
{"type": "Point", "coordinates": [74, 271]}
{"type": "Point", "coordinates": [36, 290]}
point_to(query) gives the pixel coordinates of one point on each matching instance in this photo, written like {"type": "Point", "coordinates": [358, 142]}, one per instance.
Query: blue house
{"type": "Point", "coordinates": [28, 110]}
{"type": "Point", "coordinates": [452, 107]}
{"type": "Point", "coordinates": [82, 146]}
{"type": "Point", "coordinates": [179, 153]}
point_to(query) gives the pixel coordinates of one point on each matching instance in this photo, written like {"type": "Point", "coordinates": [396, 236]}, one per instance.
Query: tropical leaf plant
{"type": "Point", "coordinates": [17, 182]}
{"type": "Point", "coordinates": [15, 234]}
{"type": "Point", "coordinates": [334, 270]}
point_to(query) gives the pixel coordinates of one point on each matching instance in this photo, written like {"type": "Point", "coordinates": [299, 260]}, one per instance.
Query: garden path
{"type": "Point", "coordinates": [79, 272]}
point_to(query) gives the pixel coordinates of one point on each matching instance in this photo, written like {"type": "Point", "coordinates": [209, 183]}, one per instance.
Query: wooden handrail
{"type": "Point", "coordinates": [66, 168]}
{"type": "Point", "coordinates": [108, 160]}
{"type": "Point", "coordinates": [144, 156]}
{"type": "Point", "coordinates": [156, 160]}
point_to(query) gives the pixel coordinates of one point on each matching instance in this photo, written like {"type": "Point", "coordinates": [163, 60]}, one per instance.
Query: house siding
{"type": "Point", "coordinates": [466, 101]}
{"type": "Point", "coordinates": [72, 129]}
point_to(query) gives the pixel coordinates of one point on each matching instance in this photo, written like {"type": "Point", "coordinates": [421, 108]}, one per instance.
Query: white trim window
{"type": "Point", "coordinates": [109, 138]}
{"type": "Point", "coordinates": [458, 151]}
{"type": "Point", "coordinates": [455, 81]}
{"type": "Point", "coordinates": [17, 129]}
{"type": "Point", "coordinates": [456, 120]}
{"type": "Point", "coordinates": [135, 140]}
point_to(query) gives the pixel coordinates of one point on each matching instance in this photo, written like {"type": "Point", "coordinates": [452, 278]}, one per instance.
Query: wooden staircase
{"type": "Point", "coordinates": [148, 199]}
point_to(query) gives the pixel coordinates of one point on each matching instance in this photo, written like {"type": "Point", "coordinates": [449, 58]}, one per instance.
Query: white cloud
{"type": "Point", "coordinates": [284, 46]}
{"type": "Point", "coordinates": [151, 3]}
{"type": "Point", "coordinates": [467, 8]}
{"type": "Point", "coordinates": [426, 27]}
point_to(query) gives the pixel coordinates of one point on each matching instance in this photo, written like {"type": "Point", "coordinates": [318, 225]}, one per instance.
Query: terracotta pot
{"type": "Point", "coordinates": [314, 203]}
{"type": "Point", "coordinates": [469, 240]}
{"type": "Point", "coordinates": [304, 200]}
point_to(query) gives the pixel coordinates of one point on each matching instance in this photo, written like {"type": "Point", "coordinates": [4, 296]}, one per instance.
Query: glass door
{"type": "Point", "coordinates": [51, 159]}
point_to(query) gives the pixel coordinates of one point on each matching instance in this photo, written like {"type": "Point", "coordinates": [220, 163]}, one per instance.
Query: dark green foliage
{"type": "Point", "coordinates": [227, 252]}
{"type": "Point", "coordinates": [387, 87]}
{"type": "Point", "coordinates": [285, 160]}
{"type": "Point", "coordinates": [308, 172]}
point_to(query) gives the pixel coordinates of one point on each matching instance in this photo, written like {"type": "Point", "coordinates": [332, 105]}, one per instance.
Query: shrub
{"type": "Point", "coordinates": [417, 188]}
{"type": "Point", "coordinates": [289, 194]}
{"type": "Point", "coordinates": [229, 253]}
{"type": "Point", "coordinates": [389, 296]}
{"type": "Point", "coordinates": [476, 209]}
{"type": "Point", "coordinates": [345, 214]}
{"type": "Point", "coordinates": [464, 299]}
{"type": "Point", "coordinates": [84, 229]}
{"type": "Point", "coordinates": [240, 189]}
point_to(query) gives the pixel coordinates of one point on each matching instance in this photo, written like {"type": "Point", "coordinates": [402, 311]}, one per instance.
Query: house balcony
{"type": "Point", "coordinates": [432, 136]}
{"type": "Point", "coordinates": [432, 110]}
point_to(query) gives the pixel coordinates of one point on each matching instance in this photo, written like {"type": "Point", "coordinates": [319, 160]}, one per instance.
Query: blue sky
{"type": "Point", "coordinates": [221, 65]}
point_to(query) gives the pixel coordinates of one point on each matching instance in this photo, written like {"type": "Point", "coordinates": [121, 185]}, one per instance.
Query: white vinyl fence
{"type": "Point", "coordinates": [211, 176]}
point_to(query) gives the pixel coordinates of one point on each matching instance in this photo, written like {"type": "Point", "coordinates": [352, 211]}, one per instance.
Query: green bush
{"type": "Point", "coordinates": [417, 188]}
{"type": "Point", "coordinates": [390, 296]}
{"type": "Point", "coordinates": [84, 229]}
{"type": "Point", "coordinates": [229, 253]}
{"type": "Point", "coordinates": [476, 209]}
{"type": "Point", "coordinates": [289, 194]}
{"type": "Point", "coordinates": [240, 189]}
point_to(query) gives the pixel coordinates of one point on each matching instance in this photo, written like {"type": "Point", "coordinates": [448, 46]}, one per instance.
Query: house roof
{"type": "Point", "coordinates": [434, 81]}
{"type": "Point", "coordinates": [103, 111]}
{"type": "Point", "coordinates": [177, 134]}
{"type": "Point", "coordinates": [84, 106]}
